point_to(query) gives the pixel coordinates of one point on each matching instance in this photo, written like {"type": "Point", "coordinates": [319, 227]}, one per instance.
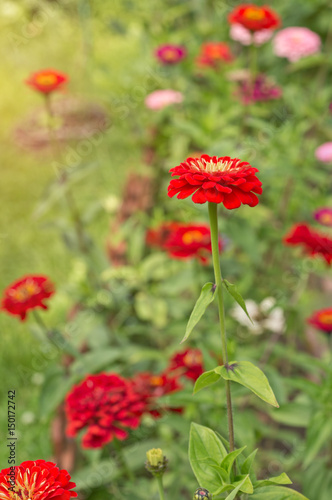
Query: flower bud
{"type": "Point", "coordinates": [201, 494]}
{"type": "Point", "coordinates": [156, 462]}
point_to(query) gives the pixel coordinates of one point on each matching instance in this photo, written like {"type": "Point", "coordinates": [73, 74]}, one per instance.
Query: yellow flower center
{"type": "Point", "coordinates": [254, 13]}
{"type": "Point", "coordinates": [326, 318]}
{"type": "Point", "coordinates": [194, 236]}
{"type": "Point", "coordinates": [156, 381]}
{"type": "Point", "coordinates": [326, 218]}
{"type": "Point", "coordinates": [211, 167]}
{"type": "Point", "coordinates": [170, 55]}
{"type": "Point", "coordinates": [46, 79]}
{"type": "Point", "coordinates": [25, 291]}
{"type": "Point", "coordinates": [192, 358]}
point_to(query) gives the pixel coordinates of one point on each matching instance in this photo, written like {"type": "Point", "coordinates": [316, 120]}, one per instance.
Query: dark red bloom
{"type": "Point", "coordinates": [219, 180]}
{"type": "Point", "coordinates": [324, 216]}
{"type": "Point", "coordinates": [47, 80]}
{"type": "Point", "coordinates": [152, 387]}
{"type": "Point", "coordinates": [259, 90]}
{"type": "Point", "coordinates": [322, 320]}
{"type": "Point", "coordinates": [312, 241]}
{"type": "Point", "coordinates": [183, 241]}
{"type": "Point", "coordinates": [27, 293]}
{"type": "Point", "coordinates": [37, 480]}
{"type": "Point", "coordinates": [254, 18]}
{"type": "Point", "coordinates": [107, 406]}
{"type": "Point", "coordinates": [214, 53]}
{"type": "Point", "coordinates": [188, 363]}
{"type": "Point", "coordinates": [170, 54]}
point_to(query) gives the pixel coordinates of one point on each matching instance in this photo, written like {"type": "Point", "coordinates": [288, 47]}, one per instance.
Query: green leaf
{"type": "Point", "coordinates": [248, 375]}
{"type": "Point", "coordinates": [205, 451]}
{"type": "Point", "coordinates": [282, 479]}
{"type": "Point", "coordinates": [206, 297]}
{"type": "Point", "coordinates": [53, 391]}
{"type": "Point", "coordinates": [247, 464]}
{"type": "Point", "coordinates": [233, 291]}
{"type": "Point", "coordinates": [227, 462]}
{"type": "Point", "coordinates": [318, 434]}
{"type": "Point", "coordinates": [277, 493]}
{"type": "Point", "coordinates": [232, 495]}
{"type": "Point", "coordinates": [94, 361]}
{"type": "Point", "coordinates": [206, 379]}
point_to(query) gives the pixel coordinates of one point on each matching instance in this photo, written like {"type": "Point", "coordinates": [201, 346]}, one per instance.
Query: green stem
{"type": "Point", "coordinates": [253, 62]}
{"type": "Point", "coordinates": [161, 487]}
{"type": "Point", "coordinates": [218, 278]}
{"type": "Point", "coordinates": [122, 461]}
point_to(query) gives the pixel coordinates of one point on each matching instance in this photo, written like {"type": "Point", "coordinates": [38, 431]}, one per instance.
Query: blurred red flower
{"type": "Point", "coordinates": [254, 18]}
{"type": "Point", "coordinates": [313, 242]}
{"type": "Point", "coordinates": [322, 320]}
{"type": "Point", "coordinates": [170, 54]}
{"type": "Point", "coordinates": [183, 241]}
{"type": "Point", "coordinates": [214, 53]}
{"type": "Point", "coordinates": [27, 293]}
{"type": "Point", "coordinates": [262, 89]}
{"type": "Point", "coordinates": [36, 480]}
{"type": "Point", "coordinates": [152, 387]}
{"type": "Point", "coordinates": [107, 405]}
{"type": "Point", "coordinates": [47, 80]}
{"type": "Point", "coordinates": [219, 180]}
{"type": "Point", "coordinates": [188, 363]}
{"type": "Point", "coordinates": [324, 216]}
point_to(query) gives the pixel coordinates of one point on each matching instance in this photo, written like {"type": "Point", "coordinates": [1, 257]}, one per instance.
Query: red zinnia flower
{"type": "Point", "coordinates": [254, 18]}
{"type": "Point", "coordinates": [47, 81]}
{"type": "Point", "coordinates": [183, 241]}
{"type": "Point", "coordinates": [27, 293]}
{"type": "Point", "coordinates": [107, 405]}
{"type": "Point", "coordinates": [151, 387]}
{"type": "Point", "coordinates": [313, 242]}
{"type": "Point", "coordinates": [219, 180]}
{"type": "Point", "coordinates": [322, 320]}
{"type": "Point", "coordinates": [214, 53]}
{"type": "Point", "coordinates": [189, 363]}
{"type": "Point", "coordinates": [170, 54]}
{"type": "Point", "coordinates": [324, 216]}
{"type": "Point", "coordinates": [37, 480]}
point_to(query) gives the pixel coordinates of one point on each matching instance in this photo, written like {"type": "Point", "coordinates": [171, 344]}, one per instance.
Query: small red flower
{"type": "Point", "coordinates": [322, 320]}
{"type": "Point", "coordinates": [219, 180]}
{"type": "Point", "coordinates": [39, 480]}
{"type": "Point", "coordinates": [47, 80]}
{"type": "Point", "coordinates": [183, 241]}
{"type": "Point", "coordinates": [27, 293]}
{"type": "Point", "coordinates": [107, 406]}
{"type": "Point", "coordinates": [189, 363]}
{"type": "Point", "coordinates": [313, 242]}
{"type": "Point", "coordinates": [214, 53]}
{"type": "Point", "coordinates": [152, 387]}
{"type": "Point", "coordinates": [324, 216]}
{"type": "Point", "coordinates": [254, 18]}
{"type": "Point", "coordinates": [170, 54]}
{"type": "Point", "coordinates": [261, 90]}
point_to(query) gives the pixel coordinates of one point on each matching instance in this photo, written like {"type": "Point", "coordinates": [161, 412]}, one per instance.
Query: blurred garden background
{"type": "Point", "coordinates": [121, 300]}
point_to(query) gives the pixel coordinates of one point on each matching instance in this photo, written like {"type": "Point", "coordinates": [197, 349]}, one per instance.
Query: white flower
{"type": "Point", "coordinates": [265, 316]}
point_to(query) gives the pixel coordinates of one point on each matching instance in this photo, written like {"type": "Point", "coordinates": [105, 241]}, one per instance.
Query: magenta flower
{"type": "Point", "coordinates": [170, 54]}
{"type": "Point", "coordinates": [261, 90]}
{"type": "Point", "coordinates": [295, 43]}
{"type": "Point", "coordinates": [246, 37]}
{"type": "Point", "coordinates": [160, 99]}
{"type": "Point", "coordinates": [324, 216]}
{"type": "Point", "coordinates": [324, 152]}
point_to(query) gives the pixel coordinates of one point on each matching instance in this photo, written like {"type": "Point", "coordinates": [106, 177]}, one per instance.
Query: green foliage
{"type": "Point", "coordinates": [207, 295]}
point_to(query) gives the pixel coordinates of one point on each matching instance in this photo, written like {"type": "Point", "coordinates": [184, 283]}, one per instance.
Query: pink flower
{"type": "Point", "coordinates": [324, 216]}
{"type": "Point", "coordinates": [241, 34]}
{"type": "Point", "coordinates": [295, 43]}
{"type": "Point", "coordinates": [324, 152]}
{"type": "Point", "coordinates": [170, 54]}
{"type": "Point", "coordinates": [159, 99]}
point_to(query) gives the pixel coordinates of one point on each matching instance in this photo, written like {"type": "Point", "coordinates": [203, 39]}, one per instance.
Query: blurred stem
{"type": "Point", "coordinates": [78, 224]}
{"type": "Point", "coordinates": [84, 13]}
{"type": "Point", "coordinates": [218, 278]}
{"type": "Point", "coordinates": [122, 461]}
{"type": "Point", "coordinates": [253, 62]}
{"type": "Point", "coordinates": [161, 487]}
{"type": "Point", "coordinates": [55, 337]}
